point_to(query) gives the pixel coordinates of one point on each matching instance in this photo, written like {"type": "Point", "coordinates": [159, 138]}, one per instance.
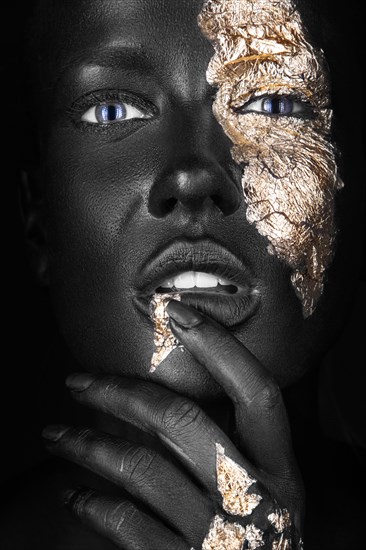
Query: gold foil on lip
{"type": "Point", "coordinates": [224, 535]}
{"type": "Point", "coordinates": [290, 176]}
{"type": "Point", "coordinates": [233, 483]}
{"type": "Point", "coordinates": [164, 340]}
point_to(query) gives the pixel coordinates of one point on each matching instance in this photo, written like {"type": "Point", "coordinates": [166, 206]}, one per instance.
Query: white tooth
{"type": "Point", "coordinates": [167, 284]}
{"type": "Point", "coordinates": [185, 280]}
{"type": "Point", "coordinates": [224, 282]}
{"type": "Point", "coordinates": [205, 280]}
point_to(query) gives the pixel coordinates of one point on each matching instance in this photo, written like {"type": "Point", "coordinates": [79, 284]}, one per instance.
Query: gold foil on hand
{"type": "Point", "coordinates": [290, 174]}
{"type": "Point", "coordinates": [233, 483]}
{"type": "Point", "coordinates": [282, 543]}
{"type": "Point", "coordinates": [224, 535]}
{"type": "Point", "coordinates": [164, 340]}
{"type": "Point", "coordinates": [280, 520]}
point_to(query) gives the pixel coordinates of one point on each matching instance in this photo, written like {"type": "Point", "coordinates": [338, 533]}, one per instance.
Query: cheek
{"type": "Point", "coordinates": [91, 261]}
{"type": "Point", "coordinates": [289, 182]}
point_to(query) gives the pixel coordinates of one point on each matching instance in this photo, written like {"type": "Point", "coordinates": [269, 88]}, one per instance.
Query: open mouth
{"type": "Point", "coordinates": [206, 275]}
{"type": "Point", "coordinates": [197, 281]}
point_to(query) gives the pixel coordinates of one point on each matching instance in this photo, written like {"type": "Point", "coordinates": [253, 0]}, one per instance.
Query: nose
{"type": "Point", "coordinates": [194, 184]}
{"type": "Point", "coordinates": [198, 172]}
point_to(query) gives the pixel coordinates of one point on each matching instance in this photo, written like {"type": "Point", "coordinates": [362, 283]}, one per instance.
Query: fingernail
{"type": "Point", "coordinates": [55, 432]}
{"type": "Point", "coordinates": [183, 314]}
{"type": "Point", "coordinates": [80, 381]}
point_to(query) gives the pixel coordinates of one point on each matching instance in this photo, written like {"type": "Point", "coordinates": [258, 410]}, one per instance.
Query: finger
{"type": "Point", "coordinates": [178, 422]}
{"type": "Point", "coordinates": [260, 412]}
{"type": "Point", "coordinates": [122, 522]}
{"type": "Point", "coordinates": [142, 472]}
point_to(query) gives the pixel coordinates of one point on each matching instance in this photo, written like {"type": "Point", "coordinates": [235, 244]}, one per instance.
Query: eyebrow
{"type": "Point", "coordinates": [113, 56]}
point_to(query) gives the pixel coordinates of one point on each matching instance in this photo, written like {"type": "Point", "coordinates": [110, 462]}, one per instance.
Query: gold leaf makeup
{"type": "Point", "coordinates": [273, 103]}
{"type": "Point", "coordinates": [164, 340]}
{"type": "Point", "coordinates": [224, 535]}
{"type": "Point", "coordinates": [275, 529]}
{"type": "Point", "coordinates": [233, 483]}
{"type": "Point", "coordinates": [280, 520]}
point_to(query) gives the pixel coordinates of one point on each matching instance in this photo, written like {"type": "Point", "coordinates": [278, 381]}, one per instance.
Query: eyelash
{"type": "Point", "coordinates": [93, 99]}
{"type": "Point", "coordinates": [307, 111]}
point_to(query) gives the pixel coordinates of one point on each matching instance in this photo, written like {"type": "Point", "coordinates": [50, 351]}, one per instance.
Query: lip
{"type": "Point", "coordinates": [201, 255]}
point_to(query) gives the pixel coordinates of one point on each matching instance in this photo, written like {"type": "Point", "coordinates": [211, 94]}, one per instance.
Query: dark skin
{"type": "Point", "coordinates": [115, 196]}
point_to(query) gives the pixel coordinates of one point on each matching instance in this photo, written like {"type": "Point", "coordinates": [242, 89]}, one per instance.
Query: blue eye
{"type": "Point", "coordinates": [277, 106]}
{"type": "Point", "coordinates": [112, 112]}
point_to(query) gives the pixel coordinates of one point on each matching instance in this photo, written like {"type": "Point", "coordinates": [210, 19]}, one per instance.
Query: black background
{"type": "Point", "coordinates": [30, 335]}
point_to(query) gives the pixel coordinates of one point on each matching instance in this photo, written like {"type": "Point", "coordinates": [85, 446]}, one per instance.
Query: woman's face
{"type": "Point", "coordinates": [141, 188]}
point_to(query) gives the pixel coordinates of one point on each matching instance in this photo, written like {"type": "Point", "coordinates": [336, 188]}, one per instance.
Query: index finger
{"type": "Point", "coordinates": [261, 416]}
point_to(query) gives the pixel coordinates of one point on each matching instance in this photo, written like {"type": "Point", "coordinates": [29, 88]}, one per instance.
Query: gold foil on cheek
{"type": "Point", "coordinates": [233, 483]}
{"type": "Point", "coordinates": [290, 174]}
{"type": "Point", "coordinates": [164, 340]}
{"type": "Point", "coordinates": [224, 535]}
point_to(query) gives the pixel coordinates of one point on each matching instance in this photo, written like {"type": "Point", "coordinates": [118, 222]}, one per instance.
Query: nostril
{"type": "Point", "coordinates": [227, 204]}
{"type": "Point", "coordinates": [217, 200]}
{"type": "Point", "coordinates": [194, 185]}
{"type": "Point", "coordinates": [168, 206]}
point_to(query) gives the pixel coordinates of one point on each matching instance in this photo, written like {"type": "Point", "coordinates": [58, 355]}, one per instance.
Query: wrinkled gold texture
{"type": "Point", "coordinates": [280, 520]}
{"type": "Point", "coordinates": [224, 535]}
{"type": "Point", "coordinates": [290, 174]}
{"type": "Point", "coordinates": [282, 543]}
{"type": "Point", "coordinates": [233, 483]}
{"type": "Point", "coordinates": [164, 339]}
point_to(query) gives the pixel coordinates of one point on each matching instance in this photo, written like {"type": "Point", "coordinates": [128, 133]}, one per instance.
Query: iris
{"type": "Point", "coordinates": [278, 105]}
{"type": "Point", "coordinates": [110, 112]}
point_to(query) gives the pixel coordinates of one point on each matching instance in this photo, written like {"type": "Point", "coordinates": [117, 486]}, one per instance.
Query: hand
{"type": "Point", "coordinates": [213, 494]}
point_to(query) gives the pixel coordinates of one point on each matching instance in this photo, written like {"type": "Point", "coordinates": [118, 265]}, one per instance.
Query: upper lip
{"type": "Point", "coordinates": [185, 255]}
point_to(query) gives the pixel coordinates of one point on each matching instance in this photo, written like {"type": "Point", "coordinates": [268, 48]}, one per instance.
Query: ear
{"type": "Point", "coordinates": [33, 213]}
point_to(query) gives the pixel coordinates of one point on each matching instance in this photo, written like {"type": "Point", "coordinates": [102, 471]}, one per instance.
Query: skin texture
{"type": "Point", "coordinates": [107, 193]}
{"type": "Point", "coordinates": [191, 436]}
{"type": "Point", "coordinates": [114, 197]}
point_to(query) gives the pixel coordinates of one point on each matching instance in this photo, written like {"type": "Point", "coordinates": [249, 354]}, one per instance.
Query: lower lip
{"type": "Point", "coordinates": [227, 309]}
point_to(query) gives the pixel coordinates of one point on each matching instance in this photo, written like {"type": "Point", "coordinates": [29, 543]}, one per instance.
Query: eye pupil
{"type": "Point", "coordinates": [110, 112]}
{"type": "Point", "coordinates": [278, 105]}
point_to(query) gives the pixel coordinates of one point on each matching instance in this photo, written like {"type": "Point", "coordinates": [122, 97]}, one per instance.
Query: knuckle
{"type": "Point", "coordinates": [83, 503]}
{"type": "Point", "coordinates": [119, 515]}
{"type": "Point", "coordinates": [90, 448]}
{"type": "Point", "coordinates": [180, 414]}
{"type": "Point", "coordinates": [223, 349]}
{"type": "Point", "coordinates": [110, 391]}
{"type": "Point", "coordinates": [268, 396]}
{"type": "Point", "coordinates": [137, 463]}
{"type": "Point", "coordinates": [82, 443]}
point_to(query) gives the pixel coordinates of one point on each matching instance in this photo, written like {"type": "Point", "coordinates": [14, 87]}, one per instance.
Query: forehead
{"type": "Point", "coordinates": [160, 34]}
{"type": "Point", "coordinates": [68, 25]}
{"type": "Point", "coordinates": [166, 28]}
